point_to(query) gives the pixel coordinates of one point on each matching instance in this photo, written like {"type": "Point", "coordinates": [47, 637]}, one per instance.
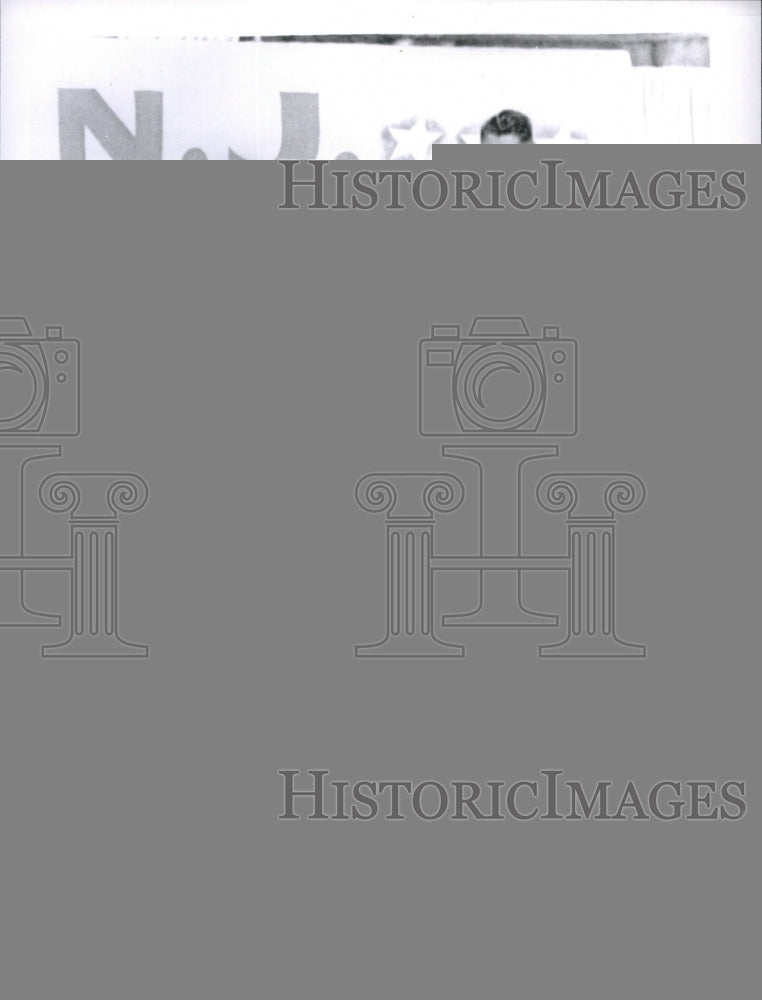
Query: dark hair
{"type": "Point", "coordinates": [508, 123]}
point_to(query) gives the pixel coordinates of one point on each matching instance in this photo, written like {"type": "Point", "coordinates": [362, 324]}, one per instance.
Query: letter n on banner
{"type": "Point", "coordinates": [79, 110]}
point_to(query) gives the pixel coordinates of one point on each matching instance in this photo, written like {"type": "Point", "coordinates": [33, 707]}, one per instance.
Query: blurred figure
{"type": "Point", "coordinates": [507, 128]}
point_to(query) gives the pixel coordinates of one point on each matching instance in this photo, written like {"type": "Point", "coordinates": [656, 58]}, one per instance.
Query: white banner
{"type": "Point", "coordinates": [226, 99]}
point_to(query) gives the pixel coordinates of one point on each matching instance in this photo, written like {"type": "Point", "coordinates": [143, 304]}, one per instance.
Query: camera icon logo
{"type": "Point", "coordinates": [498, 393]}
{"type": "Point", "coordinates": [40, 399]}
{"type": "Point", "coordinates": [498, 380]}
{"type": "Point", "coordinates": [39, 381]}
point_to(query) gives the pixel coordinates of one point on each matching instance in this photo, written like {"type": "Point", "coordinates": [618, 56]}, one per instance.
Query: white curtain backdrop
{"type": "Point", "coordinates": [675, 105]}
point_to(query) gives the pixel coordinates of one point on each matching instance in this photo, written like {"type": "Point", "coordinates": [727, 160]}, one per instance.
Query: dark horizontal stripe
{"type": "Point", "coordinates": [644, 49]}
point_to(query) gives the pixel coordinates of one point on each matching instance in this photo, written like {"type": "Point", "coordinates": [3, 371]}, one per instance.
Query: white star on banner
{"type": "Point", "coordinates": [563, 137]}
{"type": "Point", "coordinates": [415, 141]}
{"type": "Point", "coordinates": [469, 136]}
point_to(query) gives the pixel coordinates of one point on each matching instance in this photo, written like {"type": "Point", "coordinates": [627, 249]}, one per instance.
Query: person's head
{"type": "Point", "coordinates": [507, 128]}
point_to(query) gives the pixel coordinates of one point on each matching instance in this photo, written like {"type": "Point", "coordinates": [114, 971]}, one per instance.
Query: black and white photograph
{"type": "Point", "coordinates": [372, 82]}
{"type": "Point", "coordinates": [379, 544]}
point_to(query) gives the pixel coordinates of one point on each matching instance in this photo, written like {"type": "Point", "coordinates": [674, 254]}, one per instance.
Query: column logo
{"type": "Point", "coordinates": [500, 398]}
{"type": "Point", "coordinates": [40, 402]}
